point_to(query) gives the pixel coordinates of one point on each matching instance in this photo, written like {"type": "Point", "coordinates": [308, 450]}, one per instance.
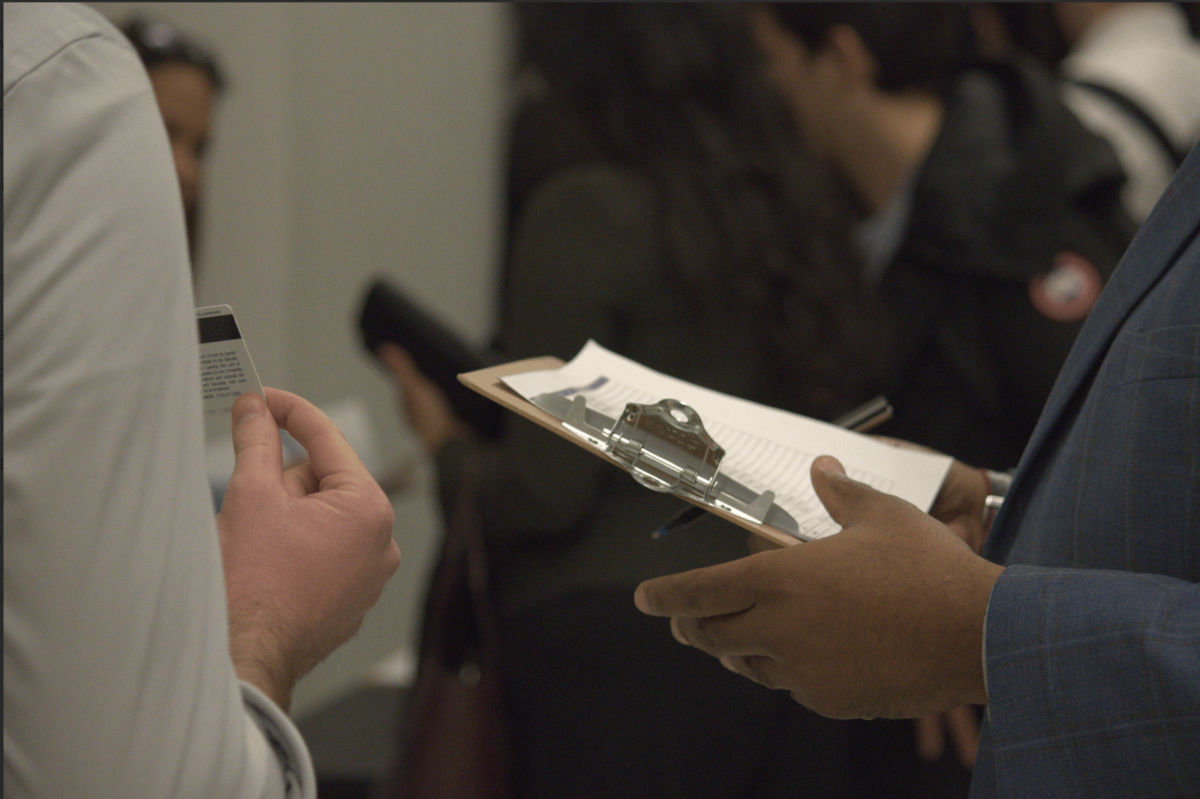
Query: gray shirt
{"type": "Point", "coordinates": [117, 674]}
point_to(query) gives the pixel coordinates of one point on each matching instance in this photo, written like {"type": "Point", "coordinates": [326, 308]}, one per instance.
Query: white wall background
{"type": "Point", "coordinates": [356, 139]}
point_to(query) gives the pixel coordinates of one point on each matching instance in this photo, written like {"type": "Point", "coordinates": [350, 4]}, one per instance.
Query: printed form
{"type": "Point", "coordinates": [765, 448]}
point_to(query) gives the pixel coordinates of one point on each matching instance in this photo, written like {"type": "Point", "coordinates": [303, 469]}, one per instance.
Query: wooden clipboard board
{"type": "Point", "coordinates": [487, 382]}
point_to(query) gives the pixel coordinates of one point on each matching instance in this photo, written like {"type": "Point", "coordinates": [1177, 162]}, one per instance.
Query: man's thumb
{"type": "Point", "coordinates": [842, 497]}
{"type": "Point", "coordinates": [256, 444]}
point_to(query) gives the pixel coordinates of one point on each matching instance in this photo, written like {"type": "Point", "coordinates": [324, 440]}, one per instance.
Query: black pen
{"type": "Point", "coordinates": [867, 416]}
{"type": "Point", "coordinates": [861, 419]}
{"type": "Point", "coordinates": [686, 515]}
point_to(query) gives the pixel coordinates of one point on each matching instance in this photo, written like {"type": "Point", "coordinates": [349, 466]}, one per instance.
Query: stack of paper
{"type": "Point", "coordinates": [765, 448]}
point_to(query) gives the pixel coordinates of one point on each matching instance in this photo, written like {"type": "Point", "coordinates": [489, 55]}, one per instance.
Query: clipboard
{"type": "Point", "coordinates": [663, 446]}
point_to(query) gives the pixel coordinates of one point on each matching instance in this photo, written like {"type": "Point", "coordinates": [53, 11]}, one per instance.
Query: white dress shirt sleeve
{"type": "Point", "coordinates": [117, 674]}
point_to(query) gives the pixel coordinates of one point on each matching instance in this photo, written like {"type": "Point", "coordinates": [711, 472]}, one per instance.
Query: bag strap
{"type": "Point", "coordinates": [1137, 113]}
{"type": "Point", "coordinates": [459, 615]}
{"type": "Point", "coordinates": [455, 740]}
{"type": "Point", "coordinates": [469, 526]}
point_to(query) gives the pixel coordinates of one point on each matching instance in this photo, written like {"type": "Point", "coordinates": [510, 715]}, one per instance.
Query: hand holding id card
{"type": "Point", "coordinates": [226, 371]}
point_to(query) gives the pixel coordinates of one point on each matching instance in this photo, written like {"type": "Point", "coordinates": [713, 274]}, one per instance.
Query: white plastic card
{"type": "Point", "coordinates": [226, 371]}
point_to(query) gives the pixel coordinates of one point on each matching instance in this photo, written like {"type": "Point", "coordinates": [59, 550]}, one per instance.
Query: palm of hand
{"type": "Point", "coordinates": [882, 619]}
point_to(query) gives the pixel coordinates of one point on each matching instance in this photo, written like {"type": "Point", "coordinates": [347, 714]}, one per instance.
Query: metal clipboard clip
{"type": "Point", "coordinates": [665, 447]}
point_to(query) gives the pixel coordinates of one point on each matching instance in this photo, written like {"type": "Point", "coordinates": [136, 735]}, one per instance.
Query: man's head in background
{"type": "Point", "coordinates": [865, 80]}
{"type": "Point", "coordinates": [186, 81]}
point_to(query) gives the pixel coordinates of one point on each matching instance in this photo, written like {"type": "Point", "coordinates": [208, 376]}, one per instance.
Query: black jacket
{"type": "Point", "coordinates": [1012, 185]}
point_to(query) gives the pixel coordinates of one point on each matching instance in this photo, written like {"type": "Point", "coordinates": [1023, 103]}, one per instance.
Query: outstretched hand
{"type": "Point", "coordinates": [884, 619]}
{"type": "Point", "coordinates": [306, 551]}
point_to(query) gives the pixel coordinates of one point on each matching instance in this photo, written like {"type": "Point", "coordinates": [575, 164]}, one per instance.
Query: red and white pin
{"type": "Point", "coordinates": [1069, 290]}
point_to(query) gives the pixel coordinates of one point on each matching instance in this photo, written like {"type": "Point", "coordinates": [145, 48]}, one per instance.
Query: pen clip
{"type": "Point", "coordinates": [867, 416]}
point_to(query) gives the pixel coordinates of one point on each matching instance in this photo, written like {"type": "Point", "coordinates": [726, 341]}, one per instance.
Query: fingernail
{"type": "Point", "coordinates": [829, 465]}
{"type": "Point", "coordinates": [247, 407]}
{"type": "Point", "coordinates": [639, 600]}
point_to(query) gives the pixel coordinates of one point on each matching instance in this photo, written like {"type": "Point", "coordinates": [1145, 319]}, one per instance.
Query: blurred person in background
{"type": "Point", "coordinates": [990, 217]}
{"type": "Point", "coordinates": [187, 81]}
{"type": "Point", "coordinates": [1130, 73]}
{"type": "Point", "coordinates": [663, 208]}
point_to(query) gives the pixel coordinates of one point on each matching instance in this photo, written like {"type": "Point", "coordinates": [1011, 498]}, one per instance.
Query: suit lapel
{"type": "Point", "coordinates": [1157, 245]}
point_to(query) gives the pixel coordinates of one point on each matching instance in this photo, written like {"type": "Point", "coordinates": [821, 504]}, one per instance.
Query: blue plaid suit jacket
{"type": "Point", "coordinates": [1093, 632]}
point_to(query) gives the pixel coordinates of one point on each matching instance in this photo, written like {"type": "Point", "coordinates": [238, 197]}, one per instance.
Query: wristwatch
{"type": "Point", "coordinates": [997, 487]}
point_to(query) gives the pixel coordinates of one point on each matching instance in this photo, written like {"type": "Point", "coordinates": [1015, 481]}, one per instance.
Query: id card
{"type": "Point", "coordinates": [226, 371]}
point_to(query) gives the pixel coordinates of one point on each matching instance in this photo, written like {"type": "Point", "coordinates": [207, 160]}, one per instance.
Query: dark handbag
{"type": "Point", "coordinates": [456, 740]}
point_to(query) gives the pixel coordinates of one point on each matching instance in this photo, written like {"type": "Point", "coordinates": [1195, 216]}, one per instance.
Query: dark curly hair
{"type": "Point", "coordinates": [678, 92]}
